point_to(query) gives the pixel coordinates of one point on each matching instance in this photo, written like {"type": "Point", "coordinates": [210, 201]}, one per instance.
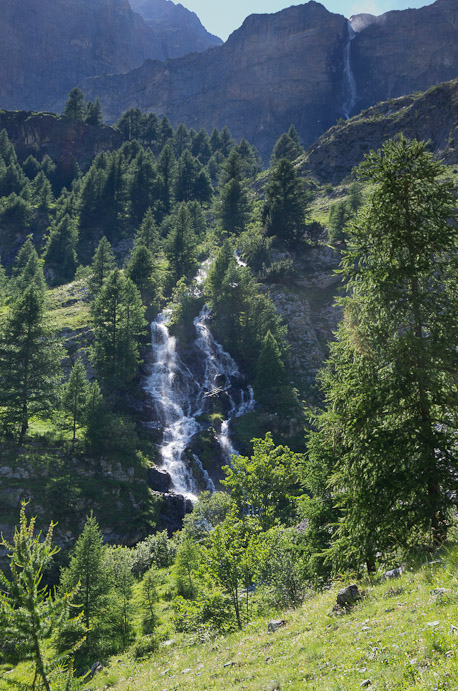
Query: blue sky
{"type": "Point", "coordinates": [222, 17]}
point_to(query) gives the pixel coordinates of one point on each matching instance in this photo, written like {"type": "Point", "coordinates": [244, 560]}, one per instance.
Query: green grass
{"type": "Point", "coordinates": [398, 637]}
{"type": "Point", "coordinates": [68, 306]}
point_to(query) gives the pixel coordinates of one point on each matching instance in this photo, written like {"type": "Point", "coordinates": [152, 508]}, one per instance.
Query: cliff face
{"type": "Point", "coordinates": [48, 47]}
{"type": "Point", "coordinates": [181, 30]}
{"type": "Point", "coordinates": [404, 51]}
{"type": "Point", "coordinates": [431, 116]}
{"type": "Point", "coordinates": [293, 67]}
{"type": "Point", "coordinates": [276, 69]}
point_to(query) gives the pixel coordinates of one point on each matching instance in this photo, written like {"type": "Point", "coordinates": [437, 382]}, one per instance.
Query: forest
{"type": "Point", "coordinates": [369, 480]}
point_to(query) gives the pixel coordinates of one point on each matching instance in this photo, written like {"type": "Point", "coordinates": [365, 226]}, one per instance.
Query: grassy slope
{"type": "Point", "coordinates": [398, 637]}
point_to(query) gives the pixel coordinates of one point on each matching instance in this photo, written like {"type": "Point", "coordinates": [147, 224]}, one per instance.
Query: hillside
{"type": "Point", "coordinates": [47, 48]}
{"type": "Point", "coordinates": [301, 65]}
{"type": "Point", "coordinates": [430, 116]}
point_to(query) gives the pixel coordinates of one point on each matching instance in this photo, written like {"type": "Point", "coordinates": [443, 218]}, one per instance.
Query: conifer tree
{"type": "Point", "coordinates": [140, 269]}
{"type": "Point", "coordinates": [75, 107]}
{"type": "Point", "coordinates": [75, 395]}
{"type": "Point", "coordinates": [103, 263]}
{"type": "Point", "coordinates": [383, 460]}
{"type": "Point", "coordinates": [29, 362]}
{"type": "Point", "coordinates": [29, 615]}
{"type": "Point", "coordinates": [60, 251]}
{"type": "Point", "coordinates": [94, 114]}
{"type": "Point", "coordinates": [270, 373]}
{"type": "Point", "coordinates": [285, 207]}
{"type": "Point", "coordinates": [88, 568]}
{"type": "Point", "coordinates": [148, 233]}
{"type": "Point", "coordinates": [118, 316]}
{"type": "Point", "coordinates": [181, 245]}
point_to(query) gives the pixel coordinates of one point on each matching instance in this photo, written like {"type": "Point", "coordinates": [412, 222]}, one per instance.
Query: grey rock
{"type": "Point", "coordinates": [95, 668]}
{"type": "Point", "coordinates": [394, 573]}
{"type": "Point", "coordinates": [348, 596]}
{"type": "Point", "coordinates": [159, 479]}
{"type": "Point", "coordinates": [272, 626]}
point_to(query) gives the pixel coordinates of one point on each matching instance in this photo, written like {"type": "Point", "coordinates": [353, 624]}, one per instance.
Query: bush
{"type": "Point", "coordinates": [144, 646]}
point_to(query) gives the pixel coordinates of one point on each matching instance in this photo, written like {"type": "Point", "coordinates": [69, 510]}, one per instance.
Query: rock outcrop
{"type": "Point", "coordinates": [182, 31]}
{"type": "Point", "coordinates": [295, 66]}
{"type": "Point", "coordinates": [431, 116]}
{"type": "Point", "coordinates": [64, 140]}
{"type": "Point", "coordinates": [48, 47]}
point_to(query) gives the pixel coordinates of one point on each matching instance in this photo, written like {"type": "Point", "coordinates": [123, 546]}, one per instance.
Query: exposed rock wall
{"type": "Point", "coordinates": [289, 68]}
{"type": "Point", "coordinates": [48, 46]}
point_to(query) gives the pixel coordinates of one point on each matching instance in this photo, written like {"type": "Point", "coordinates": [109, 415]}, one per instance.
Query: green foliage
{"type": "Point", "coordinates": [156, 550]}
{"type": "Point", "coordinates": [75, 398]}
{"type": "Point", "coordinates": [186, 563]}
{"type": "Point", "coordinates": [75, 107]}
{"type": "Point", "coordinates": [29, 615]}
{"type": "Point", "coordinates": [286, 204]}
{"type": "Point", "coordinates": [60, 251]}
{"type": "Point", "coordinates": [148, 600]}
{"type": "Point", "coordinates": [382, 461]}
{"type": "Point", "coordinates": [182, 245]}
{"type": "Point", "coordinates": [265, 486]}
{"type": "Point", "coordinates": [29, 363]}
{"type": "Point", "coordinates": [27, 269]}
{"type": "Point", "coordinates": [103, 264]}
{"type": "Point", "coordinates": [288, 146]}
{"type": "Point", "coordinates": [141, 270]}
{"type": "Point", "coordinates": [270, 385]}
{"type": "Point", "coordinates": [94, 114]}
{"type": "Point", "coordinates": [118, 316]}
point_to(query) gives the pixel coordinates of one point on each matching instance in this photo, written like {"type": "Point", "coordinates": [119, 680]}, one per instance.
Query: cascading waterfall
{"type": "Point", "coordinates": [181, 394]}
{"type": "Point", "coordinates": [349, 78]}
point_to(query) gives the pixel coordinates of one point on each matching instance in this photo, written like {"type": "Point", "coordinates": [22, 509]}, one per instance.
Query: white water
{"type": "Point", "coordinates": [180, 396]}
{"type": "Point", "coordinates": [349, 78]}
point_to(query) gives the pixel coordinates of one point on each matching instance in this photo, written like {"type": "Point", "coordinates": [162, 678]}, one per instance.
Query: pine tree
{"type": "Point", "coordinates": [75, 107]}
{"type": "Point", "coordinates": [285, 207]}
{"type": "Point", "coordinates": [103, 263]}
{"type": "Point", "coordinates": [75, 395]}
{"type": "Point", "coordinates": [60, 251]}
{"type": "Point", "coordinates": [88, 568]}
{"type": "Point", "coordinates": [94, 114]}
{"type": "Point", "coordinates": [118, 316]}
{"type": "Point", "coordinates": [140, 269]}
{"type": "Point", "coordinates": [270, 373]}
{"type": "Point", "coordinates": [29, 362]}
{"type": "Point", "coordinates": [181, 245]}
{"type": "Point", "coordinates": [286, 147]}
{"type": "Point", "coordinates": [385, 444]}
{"type": "Point", "coordinates": [29, 615]}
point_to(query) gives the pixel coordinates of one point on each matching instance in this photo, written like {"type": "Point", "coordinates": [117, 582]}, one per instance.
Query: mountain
{"type": "Point", "coordinates": [303, 65]}
{"type": "Point", "coordinates": [181, 30]}
{"type": "Point", "coordinates": [430, 116]}
{"type": "Point", "coordinates": [48, 47]}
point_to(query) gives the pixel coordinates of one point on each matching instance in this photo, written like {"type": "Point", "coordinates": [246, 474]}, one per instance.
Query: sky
{"type": "Point", "coordinates": [222, 17]}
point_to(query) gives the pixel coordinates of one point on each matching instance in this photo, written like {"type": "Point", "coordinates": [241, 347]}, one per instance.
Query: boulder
{"type": "Point", "coordinates": [393, 573]}
{"type": "Point", "coordinates": [272, 626]}
{"type": "Point", "coordinates": [348, 596]}
{"type": "Point", "coordinates": [159, 480]}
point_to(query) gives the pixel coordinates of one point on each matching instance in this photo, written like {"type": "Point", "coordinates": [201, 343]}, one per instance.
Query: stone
{"type": "Point", "coordinates": [393, 573]}
{"type": "Point", "coordinates": [95, 668]}
{"type": "Point", "coordinates": [159, 480]}
{"type": "Point", "coordinates": [272, 626]}
{"type": "Point", "coordinates": [348, 596]}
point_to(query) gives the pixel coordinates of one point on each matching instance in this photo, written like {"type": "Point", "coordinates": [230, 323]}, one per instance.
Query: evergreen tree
{"type": "Point", "coordinates": [94, 113]}
{"type": "Point", "coordinates": [188, 169]}
{"type": "Point", "coordinates": [166, 167]}
{"type": "Point", "coordinates": [75, 395]}
{"type": "Point", "coordinates": [3, 285]}
{"type": "Point", "coordinates": [181, 140]}
{"type": "Point", "coordinates": [29, 615]}
{"type": "Point", "coordinates": [118, 316]}
{"type": "Point", "coordinates": [27, 269]}
{"type": "Point", "coordinates": [201, 148]}
{"type": "Point", "coordinates": [29, 362]}
{"type": "Point", "coordinates": [384, 453]}
{"type": "Point", "coordinates": [103, 264]}
{"type": "Point", "coordinates": [181, 245]}
{"type": "Point", "coordinates": [75, 107]}
{"type": "Point", "coordinates": [148, 234]}
{"type": "Point", "coordinates": [233, 210]}
{"type": "Point", "coordinates": [60, 251]}
{"type": "Point", "coordinates": [286, 147]}
{"type": "Point", "coordinates": [285, 207]}
{"type": "Point", "coordinates": [140, 269]}
{"type": "Point", "coordinates": [131, 124]}
{"type": "Point", "coordinates": [186, 563]}
{"type": "Point", "coordinates": [144, 186]}
{"type": "Point", "coordinates": [149, 599]}
{"type": "Point", "coordinates": [88, 569]}
{"type": "Point", "coordinates": [270, 381]}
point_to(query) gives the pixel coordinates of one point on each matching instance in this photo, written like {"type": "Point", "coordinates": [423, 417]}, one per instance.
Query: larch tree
{"type": "Point", "coordinates": [383, 459]}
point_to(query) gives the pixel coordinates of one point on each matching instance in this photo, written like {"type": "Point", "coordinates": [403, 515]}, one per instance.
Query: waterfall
{"type": "Point", "coordinates": [181, 389]}
{"type": "Point", "coordinates": [349, 78]}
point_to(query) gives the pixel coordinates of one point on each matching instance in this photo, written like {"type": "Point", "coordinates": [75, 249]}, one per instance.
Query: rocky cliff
{"type": "Point", "coordinates": [431, 116]}
{"type": "Point", "coordinates": [182, 31]}
{"type": "Point", "coordinates": [48, 47]}
{"type": "Point", "coordinates": [297, 66]}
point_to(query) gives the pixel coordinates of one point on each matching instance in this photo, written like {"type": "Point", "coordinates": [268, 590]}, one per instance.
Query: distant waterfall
{"type": "Point", "coordinates": [349, 78]}
{"type": "Point", "coordinates": [182, 391]}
